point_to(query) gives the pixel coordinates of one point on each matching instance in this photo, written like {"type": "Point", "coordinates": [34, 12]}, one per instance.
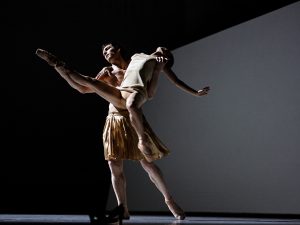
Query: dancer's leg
{"type": "Point", "coordinates": [63, 70]}
{"type": "Point", "coordinates": [84, 84]}
{"type": "Point", "coordinates": [157, 178]}
{"type": "Point", "coordinates": [106, 91]}
{"type": "Point", "coordinates": [118, 181]}
{"type": "Point", "coordinates": [134, 102]}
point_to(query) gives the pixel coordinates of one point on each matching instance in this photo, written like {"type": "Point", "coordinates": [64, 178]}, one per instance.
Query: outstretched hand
{"type": "Point", "coordinates": [203, 91]}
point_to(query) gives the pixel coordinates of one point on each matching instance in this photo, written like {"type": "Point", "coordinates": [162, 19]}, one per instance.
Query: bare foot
{"type": "Point", "coordinates": [51, 59]}
{"type": "Point", "coordinates": [175, 209]}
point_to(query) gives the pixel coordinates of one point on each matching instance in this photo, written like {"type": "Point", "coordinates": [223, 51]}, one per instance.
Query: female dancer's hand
{"type": "Point", "coordinates": [203, 91]}
{"type": "Point", "coordinates": [161, 59]}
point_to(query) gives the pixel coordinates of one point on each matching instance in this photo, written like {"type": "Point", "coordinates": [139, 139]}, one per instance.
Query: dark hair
{"type": "Point", "coordinates": [170, 62]}
{"type": "Point", "coordinates": [169, 55]}
{"type": "Point", "coordinates": [117, 45]}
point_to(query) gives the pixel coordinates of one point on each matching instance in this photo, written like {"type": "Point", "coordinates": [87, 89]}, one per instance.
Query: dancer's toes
{"type": "Point", "coordinates": [126, 214]}
{"type": "Point", "coordinates": [48, 57]}
{"type": "Point", "coordinates": [43, 54]}
{"type": "Point", "coordinates": [39, 51]}
{"type": "Point", "coordinates": [177, 212]}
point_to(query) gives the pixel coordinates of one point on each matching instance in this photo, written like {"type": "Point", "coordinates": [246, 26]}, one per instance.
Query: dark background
{"type": "Point", "coordinates": [52, 147]}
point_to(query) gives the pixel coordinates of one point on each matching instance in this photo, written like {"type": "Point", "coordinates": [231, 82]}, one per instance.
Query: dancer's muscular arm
{"type": "Point", "coordinates": [106, 75]}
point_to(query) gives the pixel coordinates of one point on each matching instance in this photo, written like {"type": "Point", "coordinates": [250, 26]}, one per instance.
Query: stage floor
{"type": "Point", "coordinates": [143, 219]}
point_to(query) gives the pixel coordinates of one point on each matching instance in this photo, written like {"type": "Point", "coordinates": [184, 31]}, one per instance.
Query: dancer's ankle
{"type": "Point", "coordinates": [177, 212]}
{"type": "Point", "coordinates": [59, 64]}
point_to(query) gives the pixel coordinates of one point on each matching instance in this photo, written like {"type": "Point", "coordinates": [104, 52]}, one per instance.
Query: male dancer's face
{"type": "Point", "coordinates": [110, 52]}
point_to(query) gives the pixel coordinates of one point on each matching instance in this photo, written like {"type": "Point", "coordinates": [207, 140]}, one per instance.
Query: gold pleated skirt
{"type": "Point", "coordinates": [120, 140]}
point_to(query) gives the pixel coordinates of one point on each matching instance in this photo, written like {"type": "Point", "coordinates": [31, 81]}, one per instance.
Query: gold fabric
{"type": "Point", "coordinates": [120, 139]}
{"type": "Point", "coordinates": [138, 73]}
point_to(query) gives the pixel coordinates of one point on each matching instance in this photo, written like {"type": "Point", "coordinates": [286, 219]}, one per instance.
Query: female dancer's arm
{"type": "Point", "coordinates": [183, 86]}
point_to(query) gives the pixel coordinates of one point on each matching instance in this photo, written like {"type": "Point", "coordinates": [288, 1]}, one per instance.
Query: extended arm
{"type": "Point", "coordinates": [183, 86]}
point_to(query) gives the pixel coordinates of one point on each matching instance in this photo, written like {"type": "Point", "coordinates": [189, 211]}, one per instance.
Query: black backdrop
{"type": "Point", "coordinates": [53, 157]}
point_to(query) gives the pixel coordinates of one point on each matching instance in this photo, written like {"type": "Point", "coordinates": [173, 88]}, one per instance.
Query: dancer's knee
{"type": "Point", "coordinates": [135, 101]}
{"type": "Point", "coordinates": [116, 168]}
{"type": "Point", "coordinates": [131, 106]}
{"type": "Point", "coordinates": [149, 167]}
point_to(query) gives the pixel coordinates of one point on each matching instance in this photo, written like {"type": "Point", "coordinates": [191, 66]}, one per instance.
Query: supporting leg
{"type": "Point", "coordinates": [118, 181]}
{"type": "Point", "coordinates": [157, 178]}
